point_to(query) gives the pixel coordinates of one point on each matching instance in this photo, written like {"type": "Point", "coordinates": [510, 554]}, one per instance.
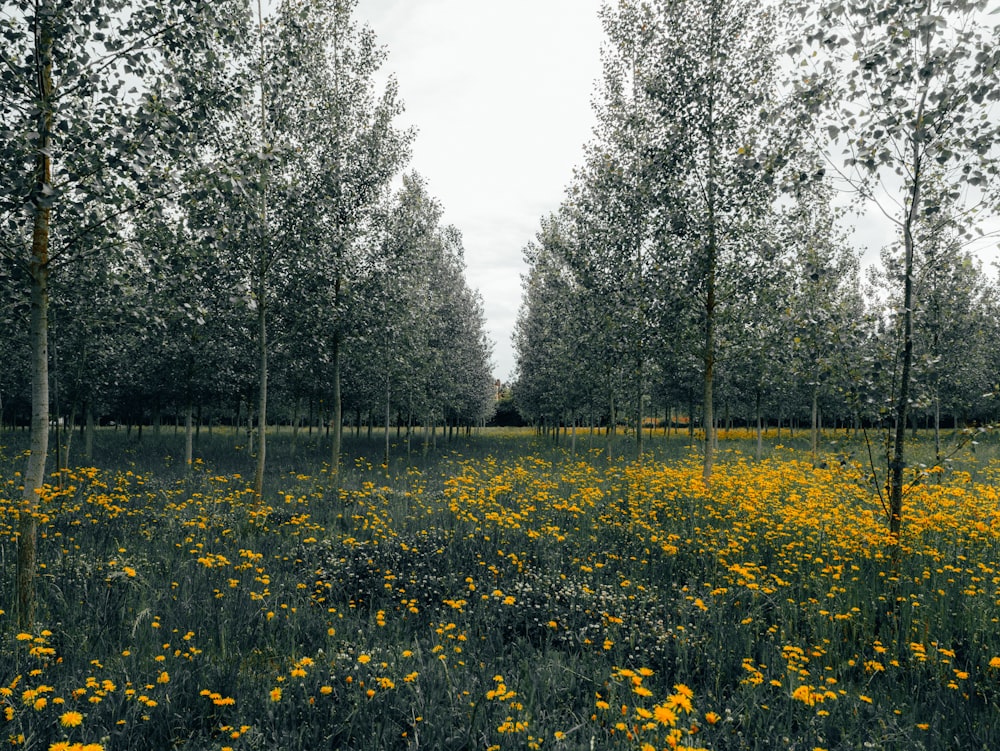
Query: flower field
{"type": "Point", "coordinates": [506, 595]}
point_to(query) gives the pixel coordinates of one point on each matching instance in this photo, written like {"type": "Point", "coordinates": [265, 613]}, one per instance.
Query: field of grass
{"type": "Point", "coordinates": [501, 592]}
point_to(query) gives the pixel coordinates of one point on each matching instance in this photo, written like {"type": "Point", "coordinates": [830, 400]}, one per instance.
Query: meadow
{"type": "Point", "coordinates": [503, 592]}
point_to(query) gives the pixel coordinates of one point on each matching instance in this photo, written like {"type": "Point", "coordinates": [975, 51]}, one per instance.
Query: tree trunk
{"type": "Point", "coordinates": [338, 416]}
{"type": "Point", "coordinates": [67, 441]}
{"type": "Point", "coordinates": [258, 481]}
{"type": "Point", "coordinates": [387, 407]}
{"type": "Point", "coordinates": [898, 462]}
{"type": "Point", "coordinates": [189, 436]}
{"type": "Point", "coordinates": [760, 427]}
{"type": "Point", "coordinates": [690, 430]}
{"type": "Point", "coordinates": [88, 435]}
{"type": "Point", "coordinates": [814, 425]}
{"type": "Point", "coordinates": [261, 281]}
{"type": "Point", "coordinates": [708, 416]}
{"type": "Point", "coordinates": [27, 525]}
{"type": "Point", "coordinates": [250, 431]}
{"type": "Point", "coordinates": [937, 429]}
{"type": "Point", "coordinates": [34, 477]}
{"type": "Point", "coordinates": [638, 403]}
{"type": "Point", "coordinates": [611, 423]}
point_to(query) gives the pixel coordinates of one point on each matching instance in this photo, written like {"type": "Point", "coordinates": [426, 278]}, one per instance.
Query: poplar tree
{"type": "Point", "coordinates": [90, 99]}
{"type": "Point", "coordinates": [714, 154]}
{"type": "Point", "coordinates": [906, 91]}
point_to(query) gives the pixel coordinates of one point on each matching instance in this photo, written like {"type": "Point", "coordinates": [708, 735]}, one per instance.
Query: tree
{"type": "Point", "coordinates": [714, 154]}
{"type": "Point", "coordinates": [552, 371]}
{"type": "Point", "coordinates": [824, 301]}
{"type": "Point", "coordinates": [950, 327]}
{"type": "Point", "coordinates": [341, 128]}
{"type": "Point", "coordinates": [615, 200]}
{"type": "Point", "coordinates": [80, 145]}
{"type": "Point", "coordinates": [906, 89]}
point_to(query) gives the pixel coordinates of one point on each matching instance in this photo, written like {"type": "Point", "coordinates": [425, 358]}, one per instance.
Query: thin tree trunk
{"type": "Point", "coordinates": [67, 440]}
{"type": "Point", "coordinates": [638, 403]}
{"type": "Point", "coordinates": [262, 269]}
{"type": "Point", "coordinates": [188, 435]}
{"type": "Point", "coordinates": [814, 423]}
{"type": "Point", "coordinates": [34, 477]}
{"type": "Point", "coordinates": [338, 415]}
{"type": "Point", "coordinates": [708, 416]}
{"type": "Point", "coordinates": [760, 427]}
{"type": "Point", "coordinates": [690, 430]}
{"type": "Point", "coordinates": [937, 429]}
{"type": "Point", "coordinates": [88, 435]}
{"type": "Point", "coordinates": [611, 423]}
{"type": "Point", "coordinates": [258, 483]}
{"type": "Point", "coordinates": [898, 462]}
{"type": "Point", "coordinates": [387, 406]}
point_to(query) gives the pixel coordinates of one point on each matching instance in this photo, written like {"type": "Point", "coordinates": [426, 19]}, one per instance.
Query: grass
{"type": "Point", "coordinates": [500, 592]}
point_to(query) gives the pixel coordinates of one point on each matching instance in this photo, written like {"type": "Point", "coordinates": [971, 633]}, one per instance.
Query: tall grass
{"type": "Point", "coordinates": [503, 592]}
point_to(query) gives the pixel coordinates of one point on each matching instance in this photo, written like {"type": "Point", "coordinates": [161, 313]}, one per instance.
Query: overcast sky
{"type": "Point", "coordinates": [500, 93]}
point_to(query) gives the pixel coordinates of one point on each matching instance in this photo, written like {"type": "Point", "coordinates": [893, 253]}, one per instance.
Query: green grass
{"type": "Point", "coordinates": [489, 592]}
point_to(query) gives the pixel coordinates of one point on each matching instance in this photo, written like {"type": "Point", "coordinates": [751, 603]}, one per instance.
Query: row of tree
{"type": "Point", "coordinates": [201, 213]}
{"type": "Point", "coordinates": [699, 259]}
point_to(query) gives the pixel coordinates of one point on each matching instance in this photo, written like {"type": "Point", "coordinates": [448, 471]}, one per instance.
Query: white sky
{"type": "Point", "coordinates": [500, 93]}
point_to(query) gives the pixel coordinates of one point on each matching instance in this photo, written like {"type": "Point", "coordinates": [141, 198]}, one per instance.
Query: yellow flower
{"type": "Point", "coordinates": [995, 662]}
{"type": "Point", "coordinates": [664, 715]}
{"type": "Point", "coordinates": [163, 677]}
{"type": "Point", "coordinates": [683, 690]}
{"type": "Point", "coordinates": [275, 694]}
{"type": "Point", "coordinates": [364, 659]}
{"type": "Point", "coordinates": [711, 718]}
{"type": "Point", "coordinates": [71, 719]}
